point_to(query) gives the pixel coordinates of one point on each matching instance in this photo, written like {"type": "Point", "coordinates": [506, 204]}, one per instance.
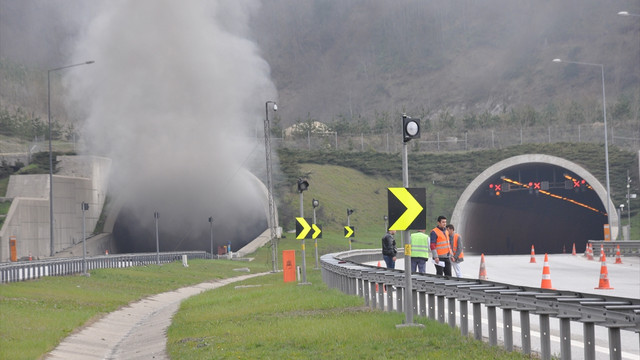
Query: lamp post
{"type": "Point", "coordinates": [52, 250]}
{"type": "Point", "coordinates": [267, 150]}
{"type": "Point", "coordinates": [85, 207]}
{"type": "Point", "coordinates": [604, 116]}
{"type": "Point", "coordinates": [315, 203]}
{"type": "Point", "coordinates": [156, 216]}
{"type": "Point", "coordinates": [303, 185]}
{"type": "Point", "coordinates": [211, 233]}
{"type": "Point", "coordinates": [620, 220]}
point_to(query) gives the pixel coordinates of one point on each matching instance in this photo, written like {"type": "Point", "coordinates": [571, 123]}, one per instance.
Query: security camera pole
{"type": "Point", "coordinates": [156, 216]}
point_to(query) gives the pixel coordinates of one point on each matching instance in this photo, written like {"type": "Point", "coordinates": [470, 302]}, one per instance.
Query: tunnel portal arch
{"type": "Point", "coordinates": [516, 219]}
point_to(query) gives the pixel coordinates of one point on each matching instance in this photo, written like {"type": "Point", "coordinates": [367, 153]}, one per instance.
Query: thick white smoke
{"type": "Point", "coordinates": [174, 98]}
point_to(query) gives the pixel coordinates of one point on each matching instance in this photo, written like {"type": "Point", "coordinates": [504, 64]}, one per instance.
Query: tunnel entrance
{"type": "Point", "coordinates": [239, 214]}
{"type": "Point", "coordinates": [538, 200]}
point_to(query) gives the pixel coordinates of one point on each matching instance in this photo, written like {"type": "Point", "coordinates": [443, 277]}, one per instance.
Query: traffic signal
{"type": "Point", "coordinates": [410, 128]}
{"type": "Point", "coordinates": [302, 185]}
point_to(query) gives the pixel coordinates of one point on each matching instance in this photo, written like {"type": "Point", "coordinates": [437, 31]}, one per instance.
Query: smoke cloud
{"type": "Point", "coordinates": [174, 99]}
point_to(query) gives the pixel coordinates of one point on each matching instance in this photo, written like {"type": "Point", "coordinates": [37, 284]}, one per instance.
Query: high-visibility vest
{"type": "Point", "coordinates": [442, 243]}
{"type": "Point", "coordinates": [454, 246]}
{"type": "Point", "coordinates": [420, 245]}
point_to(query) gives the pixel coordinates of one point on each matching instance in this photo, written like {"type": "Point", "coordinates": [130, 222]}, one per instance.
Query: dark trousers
{"type": "Point", "coordinates": [443, 270]}
{"type": "Point", "coordinates": [389, 261]}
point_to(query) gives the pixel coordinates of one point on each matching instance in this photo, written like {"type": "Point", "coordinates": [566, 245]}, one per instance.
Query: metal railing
{"type": "Point", "coordinates": [29, 270]}
{"type": "Point", "coordinates": [345, 271]}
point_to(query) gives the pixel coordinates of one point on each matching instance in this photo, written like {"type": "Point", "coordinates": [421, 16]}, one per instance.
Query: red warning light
{"type": "Point", "coordinates": [490, 186]}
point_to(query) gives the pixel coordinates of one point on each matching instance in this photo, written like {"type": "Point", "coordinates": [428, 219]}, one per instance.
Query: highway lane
{"type": "Point", "coordinates": [568, 272]}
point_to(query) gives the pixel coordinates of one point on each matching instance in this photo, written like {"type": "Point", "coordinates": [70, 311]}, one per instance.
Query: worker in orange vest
{"type": "Point", "coordinates": [456, 249]}
{"type": "Point", "coordinates": [440, 249]}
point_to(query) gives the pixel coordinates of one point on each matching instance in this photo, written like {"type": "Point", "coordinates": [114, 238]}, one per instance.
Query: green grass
{"type": "Point", "coordinates": [278, 320]}
{"type": "Point", "coordinates": [36, 315]}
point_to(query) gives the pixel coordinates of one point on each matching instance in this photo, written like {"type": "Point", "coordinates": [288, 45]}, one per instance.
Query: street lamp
{"type": "Point", "coordinates": [620, 220]}
{"type": "Point", "coordinates": [211, 233]}
{"type": "Point", "coordinates": [626, 13]}
{"type": "Point", "coordinates": [604, 116]}
{"type": "Point", "coordinates": [267, 150]}
{"type": "Point", "coordinates": [303, 185]}
{"type": "Point", "coordinates": [85, 207]}
{"type": "Point", "coordinates": [156, 216]}
{"type": "Point", "coordinates": [51, 250]}
{"type": "Point", "coordinates": [349, 212]}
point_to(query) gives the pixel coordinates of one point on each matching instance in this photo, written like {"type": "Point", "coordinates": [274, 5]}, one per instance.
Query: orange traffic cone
{"type": "Point", "coordinates": [604, 274]}
{"type": "Point", "coordinates": [30, 258]}
{"type": "Point", "coordinates": [106, 252]}
{"type": "Point", "coordinates": [589, 252]}
{"type": "Point", "coordinates": [533, 255]}
{"type": "Point", "coordinates": [573, 252]}
{"type": "Point", "coordinates": [601, 251]}
{"type": "Point", "coordinates": [546, 275]}
{"type": "Point", "coordinates": [618, 258]}
{"type": "Point", "coordinates": [483, 270]}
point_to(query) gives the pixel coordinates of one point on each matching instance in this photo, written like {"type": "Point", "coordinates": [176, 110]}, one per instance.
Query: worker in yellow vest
{"type": "Point", "coordinates": [419, 251]}
{"type": "Point", "coordinates": [440, 249]}
{"type": "Point", "coordinates": [457, 251]}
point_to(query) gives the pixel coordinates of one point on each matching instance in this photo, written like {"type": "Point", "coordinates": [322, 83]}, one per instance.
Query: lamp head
{"type": "Point", "coordinates": [557, 60]}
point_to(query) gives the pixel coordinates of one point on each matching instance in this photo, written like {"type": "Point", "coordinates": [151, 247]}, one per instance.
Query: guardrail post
{"type": "Point", "coordinates": [589, 336]}
{"type": "Point", "coordinates": [432, 306]}
{"type": "Point", "coordinates": [422, 296]}
{"type": "Point", "coordinates": [477, 321]}
{"type": "Point", "coordinates": [441, 309]}
{"type": "Point", "coordinates": [493, 328]}
{"type": "Point", "coordinates": [614, 343]}
{"type": "Point", "coordinates": [464, 318]}
{"type": "Point", "coordinates": [389, 298]}
{"type": "Point", "coordinates": [372, 291]}
{"type": "Point", "coordinates": [365, 285]}
{"type": "Point", "coordinates": [545, 337]}
{"type": "Point", "coordinates": [399, 299]}
{"type": "Point", "coordinates": [508, 329]}
{"type": "Point", "coordinates": [565, 338]}
{"type": "Point", "coordinates": [414, 296]}
{"type": "Point", "coordinates": [525, 331]}
{"type": "Point", "coordinates": [381, 288]}
{"type": "Point", "coordinates": [451, 308]}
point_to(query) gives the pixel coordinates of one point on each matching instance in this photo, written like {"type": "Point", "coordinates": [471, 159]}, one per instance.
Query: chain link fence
{"type": "Point", "coordinates": [627, 138]}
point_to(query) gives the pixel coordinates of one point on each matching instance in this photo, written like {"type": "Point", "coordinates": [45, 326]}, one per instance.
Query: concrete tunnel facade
{"type": "Point", "coordinates": [494, 221]}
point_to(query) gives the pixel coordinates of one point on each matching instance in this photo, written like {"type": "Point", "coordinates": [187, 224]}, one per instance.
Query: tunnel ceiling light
{"type": "Point", "coordinates": [531, 186]}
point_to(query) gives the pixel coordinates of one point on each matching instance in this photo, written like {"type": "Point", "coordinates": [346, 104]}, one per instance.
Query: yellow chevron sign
{"type": "Point", "coordinates": [302, 228]}
{"type": "Point", "coordinates": [317, 231]}
{"type": "Point", "coordinates": [407, 208]}
{"type": "Point", "coordinates": [348, 231]}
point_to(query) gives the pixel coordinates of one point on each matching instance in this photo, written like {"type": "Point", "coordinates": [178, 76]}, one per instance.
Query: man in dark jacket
{"type": "Point", "coordinates": [389, 250]}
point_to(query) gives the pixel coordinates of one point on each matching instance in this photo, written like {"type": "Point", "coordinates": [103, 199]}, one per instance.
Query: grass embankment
{"type": "Point", "coordinates": [36, 315]}
{"type": "Point", "coordinates": [278, 320]}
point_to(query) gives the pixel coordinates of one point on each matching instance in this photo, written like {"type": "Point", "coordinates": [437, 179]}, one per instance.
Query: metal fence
{"type": "Point", "coordinates": [345, 271]}
{"type": "Point", "coordinates": [28, 270]}
{"type": "Point", "coordinates": [627, 138]}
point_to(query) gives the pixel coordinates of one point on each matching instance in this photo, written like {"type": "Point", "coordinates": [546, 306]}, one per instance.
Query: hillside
{"type": "Point", "coordinates": [357, 64]}
{"type": "Point", "coordinates": [359, 180]}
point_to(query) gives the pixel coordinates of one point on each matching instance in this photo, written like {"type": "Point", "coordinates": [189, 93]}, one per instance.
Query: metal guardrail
{"type": "Point", "coordinates": [345, 271]}
{"type": "Point", "coordinates": [28, 270]}
{"type": "Point", "coordinates": [627, 247]}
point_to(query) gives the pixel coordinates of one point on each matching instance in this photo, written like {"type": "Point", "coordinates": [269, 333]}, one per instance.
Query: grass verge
{"type": "Point", "coordinates": [275, 320]}
{"type": "Point", "coordinates": [36, 315]}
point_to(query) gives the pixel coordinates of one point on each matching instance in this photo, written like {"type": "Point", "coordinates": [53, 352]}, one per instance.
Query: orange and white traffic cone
{"type": "Point", "coordinates": [546, 275]}
{"type": "Point", "coordinates": [604, 274]}
{"type": "Point", "coordinates": [106, 252]}
{"type": "Point", "coordinates": [533, 255]}
{"type": "Point", "coordinates": [589, 252]}
{"type": "Point", "coordinates": [601, 251]}
{"type": "Point", "coordinates": [573, 251]}
{"type": "Point", "coordinates": [483, 269]}
{"type": "Point", "coordinates": [618, 258]}
{"type": "Point", "coordinates": [30, 258]}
